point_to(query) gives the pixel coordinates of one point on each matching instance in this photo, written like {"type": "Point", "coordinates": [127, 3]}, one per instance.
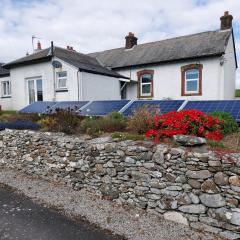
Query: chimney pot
{"type": "Point", "coordinates": [131, 40]}
{"type": "Point", "coordinates": [39, 46]}
{"type": "Point", "coordinates": [226, 21]}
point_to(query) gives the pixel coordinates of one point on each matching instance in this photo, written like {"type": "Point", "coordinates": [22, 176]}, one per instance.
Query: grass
{"type": "Point", "coordinates": [8, 112]}
{"type": "Point", "coordinates": [237, 93]}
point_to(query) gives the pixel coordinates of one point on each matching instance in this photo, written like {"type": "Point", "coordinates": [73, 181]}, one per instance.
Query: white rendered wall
{"type": "Point", "coordinates": [229, 71]}
{"type": "Point", "coordinates": [167, 80]}
{"type": "Point", "coordinates": [99, 87]}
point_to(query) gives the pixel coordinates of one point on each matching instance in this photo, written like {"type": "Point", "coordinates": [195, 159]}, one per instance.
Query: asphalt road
{"type": "Point", "coordinates": [22, 219]}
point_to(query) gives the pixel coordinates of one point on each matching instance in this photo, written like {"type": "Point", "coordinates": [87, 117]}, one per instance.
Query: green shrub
{"type": "Point", "coordinates": [112, 122]}
{"type": "Point", "coordinates": [142, 118]}
{"type": "Point", "coordinates": [229, 124]}
{"type": "Point", "coordinates": [237, 93]}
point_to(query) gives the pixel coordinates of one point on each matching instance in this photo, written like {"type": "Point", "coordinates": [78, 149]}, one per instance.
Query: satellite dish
{"type": "Point", "coordinates": [56, 64]}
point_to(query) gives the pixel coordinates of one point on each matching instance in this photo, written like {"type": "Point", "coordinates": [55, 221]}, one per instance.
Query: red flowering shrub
{"type": "Point", "coordinates": [187, 122]}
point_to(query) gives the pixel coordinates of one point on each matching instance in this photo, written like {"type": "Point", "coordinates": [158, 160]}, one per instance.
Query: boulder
{"type": "Point", "coordinates": [187, 140]}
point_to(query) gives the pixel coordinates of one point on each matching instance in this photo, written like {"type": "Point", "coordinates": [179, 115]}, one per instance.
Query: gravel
{"type": "Point", "coordinates": [129, 222]}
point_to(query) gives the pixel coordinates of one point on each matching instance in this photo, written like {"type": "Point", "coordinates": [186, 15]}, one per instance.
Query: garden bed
{"type": "Point", "coordinates": [220, 129]}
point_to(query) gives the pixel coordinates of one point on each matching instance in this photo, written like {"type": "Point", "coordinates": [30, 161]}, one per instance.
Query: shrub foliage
{"type": "Point", "coordinates": [112, 122]}
{"type": "Point", "coordinates": [142, 119]}
{"type": "Point", "coordinates": [229, 124]}
{"type": "Point", "coordinates": [187, 122]}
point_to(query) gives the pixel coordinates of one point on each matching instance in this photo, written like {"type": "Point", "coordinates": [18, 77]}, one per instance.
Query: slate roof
{"type": "Point", "coordinates": [198, 45]}
{"type": "Point", "coordinates": [79, 60]}
{"type": "Point", "coordinates": [4, 72]}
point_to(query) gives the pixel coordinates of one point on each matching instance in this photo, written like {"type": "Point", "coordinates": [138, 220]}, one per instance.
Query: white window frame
{"type": "Point", "coordinates": [35, 88]}
{"type": "Point", "coordinates": [142, 84]}
{"type": "Point", "coordinates": [8, 89]}
{"type": "Point", "coordinates": [192, 80]}
{"type": "Point", "coordinates": [60, 78]}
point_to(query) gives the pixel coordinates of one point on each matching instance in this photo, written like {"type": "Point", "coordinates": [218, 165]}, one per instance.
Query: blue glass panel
{"type": "Point", "coordinates": [101, 108]}
{"type": "Point", "coordinates": [192, 74]}
{"type": "Point", "coordinates": [192, 86]}
{"type": "Point", "coordinates": [37, 107]}
{"type": "Point", "coordinates": [164, 105]}
{"type": "Point", "coordinates": [230, 106]}
{"type": "Point", "coordinates": [71, 105]}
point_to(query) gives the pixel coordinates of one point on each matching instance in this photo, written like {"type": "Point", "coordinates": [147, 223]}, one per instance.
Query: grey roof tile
{"type": "Point", "coordinates": [79, 60]}
{"type": "Point", "coordinates": [192, 46]}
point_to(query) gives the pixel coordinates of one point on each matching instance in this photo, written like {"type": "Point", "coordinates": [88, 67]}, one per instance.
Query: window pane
{"type": "Point", "coordinates": [31, 91]}
{"type": "Point", "coordinates": [146, 89]}
{"type": "Point", "coordinates": [62, 74]}
{"type": "Point", "coordinates": [6, 89]}
{"type": "Point", "coordinates": [192, 74]}
{"type": "Point", "coordinates": [192, 86]}
{"type": "Point", "coordinates": [62, 82]}
{"type": "Point", "coordinates": [146, 78]}
{"type": "Point", "coordinates": [39, 90]}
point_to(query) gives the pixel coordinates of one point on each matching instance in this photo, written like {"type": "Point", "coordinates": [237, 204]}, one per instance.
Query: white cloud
{"type": "Point", "coordinates": [93, 25]}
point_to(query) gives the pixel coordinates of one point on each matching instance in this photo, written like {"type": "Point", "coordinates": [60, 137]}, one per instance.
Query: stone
{"type": "Point", "coordinates": [230, 235]}
{"type": "Point", "coordinates": [170, 177]}
{"type": "Point", "coordinates": [175, 217]}
{"type": "Point", "coordinates": [212, 200]}
{"type": "Point", "coordinates": [212, 163]}
{"type": "Point", "coordinates": [181, 179]}
{"type": "Point", "coordinates": [129, 160]}
{"type": "Point", "coordinates": [193, 208]}
{"type": "Point", "coordinates": [209, 186]}
{"type": "Point", "coordinates": [149, 165]}
{"type": "Point", "coordinates": [187, 140]}
{"type": "Point", "coordinates": [202, 174]}
{"type": "Point", "coordinates": [231, 216]}
{"type": "Point", "coordinates": [140, 176]}
{"type": "Point", "coordinates": [221, 178]}
{"type": "Point", "coordinates": [109, 191]}
{"type": "Point", "coordinates": [158, 156]}
{"type": "Point", "coordinates": [194, 198]}
{"type": "Point", "coordinates": [235, 181]}
{"type": "Point", "coordinates": [194, 183]}
{"type": "Point", "coordinates": [155, 183]}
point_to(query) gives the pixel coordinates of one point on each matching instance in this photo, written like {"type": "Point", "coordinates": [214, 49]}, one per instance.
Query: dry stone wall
{"type": "Point", "coordinates": [198, 189]}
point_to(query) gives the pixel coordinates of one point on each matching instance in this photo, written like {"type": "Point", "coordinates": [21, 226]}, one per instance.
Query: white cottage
{"type": "Point", "coordinates": [198, 66]}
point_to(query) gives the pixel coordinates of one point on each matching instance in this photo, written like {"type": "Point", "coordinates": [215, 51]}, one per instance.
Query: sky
{"type": "Point", "coordinates": [95, 25]}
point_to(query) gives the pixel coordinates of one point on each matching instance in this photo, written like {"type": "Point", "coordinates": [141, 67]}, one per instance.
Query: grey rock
{"type": "Point", "coordinates": [221, 179]}
{"type": "Point", "coordinates": [186, 140]}
{"type": "Point", "coordinates": [202, 174]}
{"type": "Point", "coordinates": [212, 200]}
{"type": "Point", "coordinates": [193, 208]}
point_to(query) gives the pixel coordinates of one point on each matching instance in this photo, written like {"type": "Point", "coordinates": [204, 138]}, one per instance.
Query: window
{"type": "Point", "coordinates": [35, 91]}
{"type": "Point", "coordinates": [6, 89]}
{"type": "Point", "coordinates": [192, 80]}
{"type": "Point", "coordinates": [145, 83]}
{"type": "Point", "coordinates": [61, 80]}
